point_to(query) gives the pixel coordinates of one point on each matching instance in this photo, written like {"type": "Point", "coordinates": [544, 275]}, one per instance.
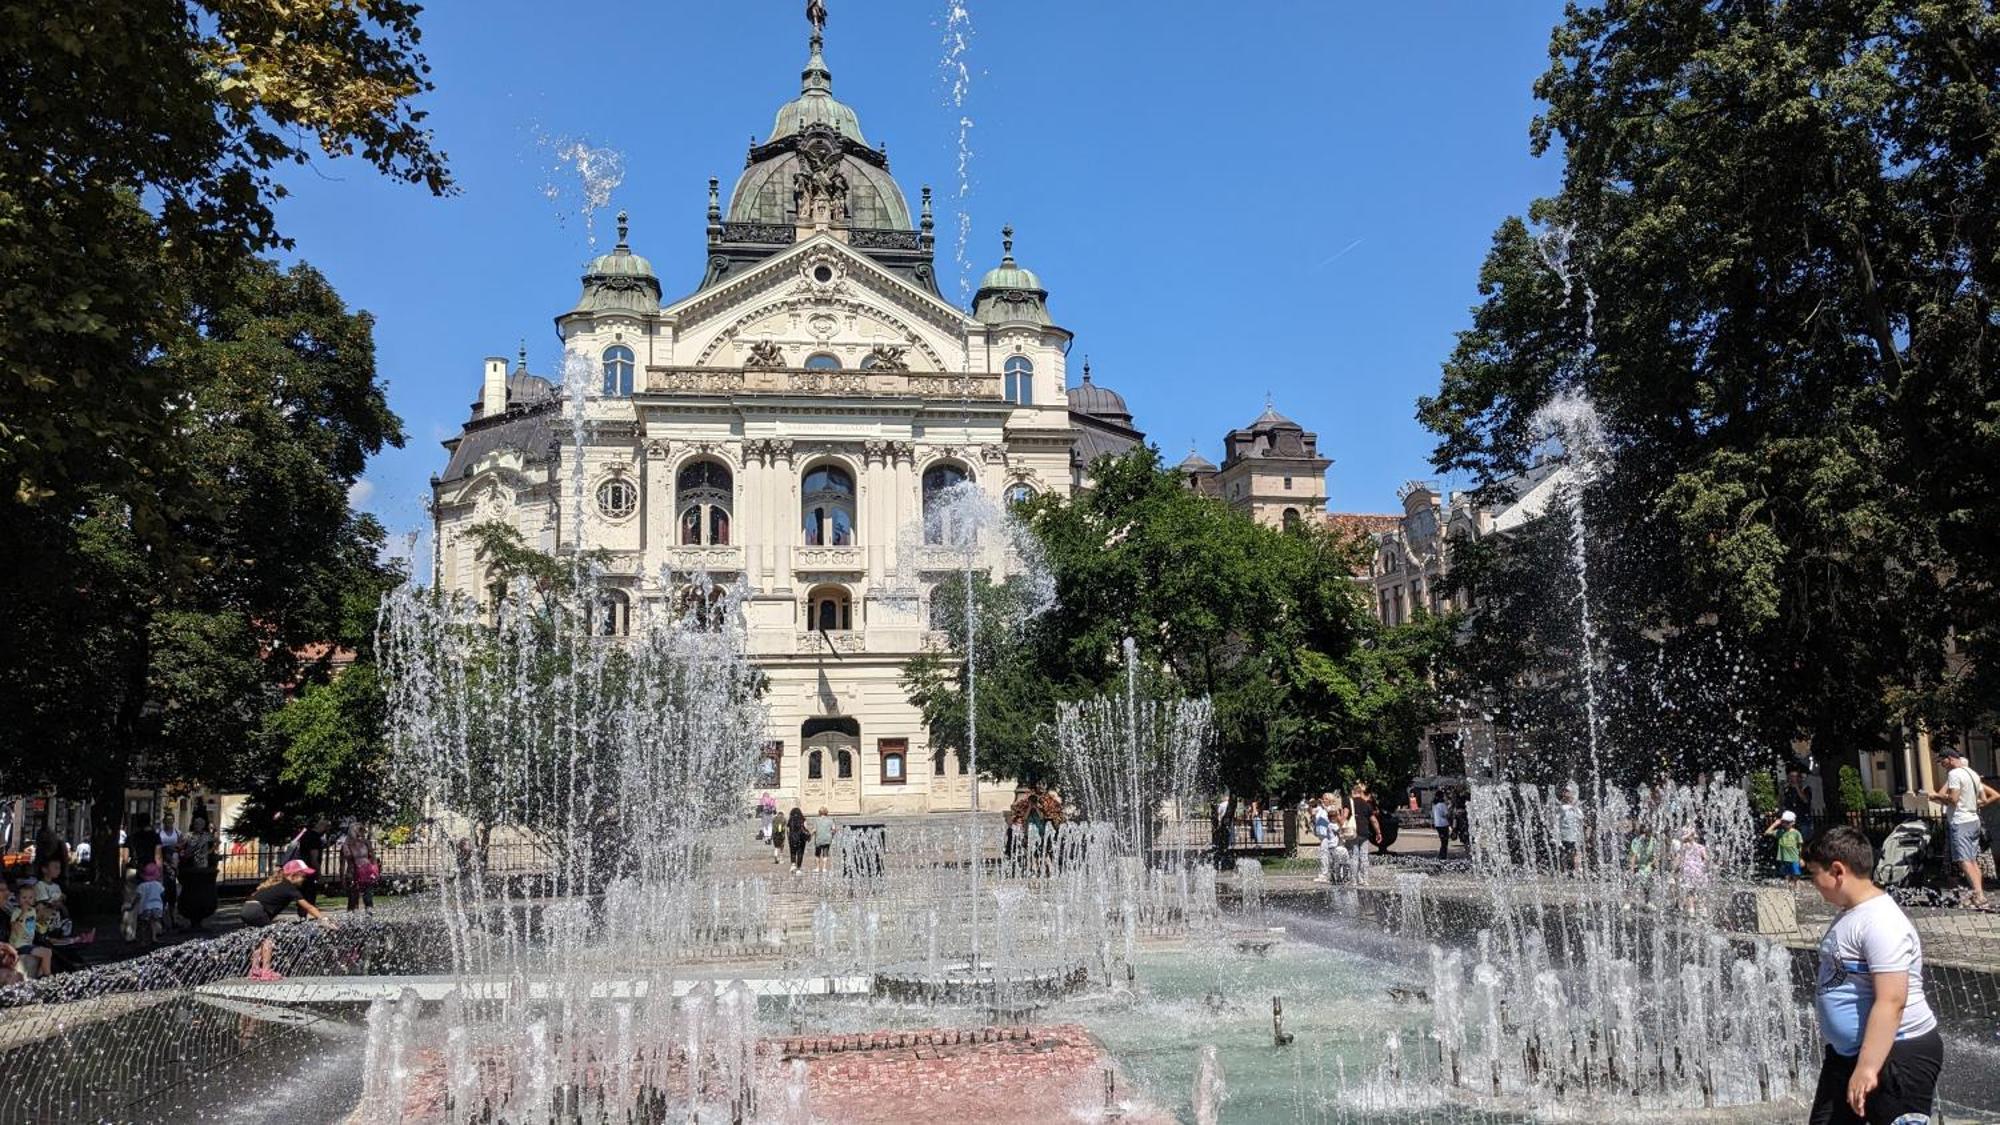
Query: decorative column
{"type": "Point", "coordinates": [748, 513]}
{"type": "Point", "coordinates": [780, 514]}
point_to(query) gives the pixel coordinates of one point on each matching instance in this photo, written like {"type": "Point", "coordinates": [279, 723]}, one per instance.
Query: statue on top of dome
{"type": "Point", "coordinates": [816, 15]}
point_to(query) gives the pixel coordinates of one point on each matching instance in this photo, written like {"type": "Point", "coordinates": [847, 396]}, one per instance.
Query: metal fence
{"type": "Point", "coordinates": [404, 863]}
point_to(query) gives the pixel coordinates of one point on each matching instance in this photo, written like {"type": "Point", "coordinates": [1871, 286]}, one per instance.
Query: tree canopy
{"type": "Point", "coordinates": [1269, 624]}
{"type": "Point", "coordinates": [1782, 231]}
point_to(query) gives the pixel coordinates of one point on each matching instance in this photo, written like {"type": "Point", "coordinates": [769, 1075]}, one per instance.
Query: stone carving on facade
{"type": "Point", "coordinates": [903, 451]}
{"type": "Point", "coordinates": [829, 382]}
{"type": "Point", "coordinates": [657, 450]}
{"type": "Point", "coordinates": [875, 452]}
{"type": "Point", "coordinates": [757, 449]}
{"type": "Point", "coordinates": [993, 454]}
{"type": "Point", "coordinates": [764, 355]}
{"type": "Point", "coordinates": [887, 357]}
{"type": "Point", "coordinates": [830, 558]}
{"type": "Point", "coordinates": [701, 381]}
{"type": "Point", "coordinates": [825, 642]}
{"type": "Point", "coordinates": [819, 188]}
{"type": "Point", "coordinates": [781, 448]}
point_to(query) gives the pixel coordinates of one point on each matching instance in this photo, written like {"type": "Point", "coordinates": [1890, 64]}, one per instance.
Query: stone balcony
{"type": "Point", "coordinates": [840, 642]}
{"type": "Point", "coordinates": [715, 560]}
{"type": "Point", "coordinates": [837, 559]}
{"type": "Point", "coordinates": [799, 381]}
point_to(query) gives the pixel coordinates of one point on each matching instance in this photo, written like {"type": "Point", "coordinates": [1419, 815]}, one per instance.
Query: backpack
{"type": "Point", "coordinates": [367, 873]}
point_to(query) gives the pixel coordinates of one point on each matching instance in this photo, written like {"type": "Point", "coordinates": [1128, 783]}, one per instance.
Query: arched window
{"type": "Point", "coordinates": [1291, 519]}
{"type": "Point", "coordinates": [618, 369]}
{"type": "Point", "coordinates": [828, 503]}
{"type": "Point", "coordinates": [816, 765]}
{"type": "Point", "coordinates": [705, 607]}
{"type": "Point", "coordinates": [1019, 493]}
{"type": "Point", "coordinates": [1020, 380]}
{"type": "Point", "coordinates": [829, 610]}
{"type": "Point", "coordinates": [617, 498]}
{"type": "Point", "coordinates": [822, 361]}
{"type": "Point", "coordinates": [611, 614]}
{"type": "Point", "coordinates": [704, 491]}
{"type": "Point", "coordinates": [937, 761]}
{"type": "Point", "coordinates": [843, 764]}
{"type": "Point", "coordinates": [939, 524]}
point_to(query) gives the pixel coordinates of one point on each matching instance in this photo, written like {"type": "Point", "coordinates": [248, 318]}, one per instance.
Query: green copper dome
{"type": "Point", "coordinates": [620, 280]}
{"type": "Point", "coordinates": [816, 105]}
{"type": "Point", "coordinates": [1011, 293]}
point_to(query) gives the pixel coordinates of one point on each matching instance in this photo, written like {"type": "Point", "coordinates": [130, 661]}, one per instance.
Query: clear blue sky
{"type": "Point", "coordinates": [1223, 199]}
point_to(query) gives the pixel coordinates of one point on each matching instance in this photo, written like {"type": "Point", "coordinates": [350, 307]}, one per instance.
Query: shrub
{"type": "Point", "coordinates": [1852, 799]}
{"type": "Point", "coordinates": [1762, 790]}
{"type": "Point", "coordinates": [1877, 799]}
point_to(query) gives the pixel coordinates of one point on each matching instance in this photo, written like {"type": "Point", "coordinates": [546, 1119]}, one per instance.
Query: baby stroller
{"type": "Point", "coordinates": [1911, 857]}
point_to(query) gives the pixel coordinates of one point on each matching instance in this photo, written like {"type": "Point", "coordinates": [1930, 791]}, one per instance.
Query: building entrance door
{"type": "Point", "coordinates": [833, 752]}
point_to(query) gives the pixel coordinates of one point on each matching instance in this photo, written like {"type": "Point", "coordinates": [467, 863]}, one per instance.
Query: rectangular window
{"type": "Point", "coordinates": [770, 765]}
{"type": "Point", "coordinates": [895, 756]}
{"type": "Point", "coordinates": [1288, 484]}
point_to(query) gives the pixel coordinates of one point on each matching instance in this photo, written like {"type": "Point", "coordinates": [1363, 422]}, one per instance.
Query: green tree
{"type": "Point", "coordinates": [1787, 222]}
{"type": "Point", "coordinates": [192, 106]}
{"type": "Point", "coordinates": [178, 647]}
{"type": "Point", "coordinates": [1269, 624]}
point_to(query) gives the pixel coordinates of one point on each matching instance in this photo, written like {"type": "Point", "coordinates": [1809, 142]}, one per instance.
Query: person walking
{"type": "Point", "coordinates": [1963, 794]}
{"type": "Point", "coordinates": [152, 911]}
{"type": "Point", "coordinates": [1256, 814]}
{"type": "Point", "coordinates": [1441, 822]}
{"type": "Point", "coordinates": [1786, 830]}
{"type": "Point", "coordinates": [312, 852]}
{"type": "Point", "coordinates": [1367, 826]}
{"type": "Point", "coordinates": [796, 837]}
{"type": "Point", "coordinates": [823, 839]}
{"type": "Point", "coordinates": [1797, 800]}
{"type": "Point", "coordinates": [1883, 1052]}
{"type": "Point", "coordinates": [767, 811]}
{"type": "Point", "coordinates": [170, 867]}
{"type": "Point", "coordinates": [198, 871]}
{"type": "Point", "coordinates": [1569, 832]}
{"type": "Point", "coordinates": [142, 844]}
{"type": "Point", "coordinates": [1323, 830]}
{"type": "Point", "coordinates": [778, 824]}
{"type": "Point", "coordinates": [284, 887]}
{"type": "Point", "coordinates": [357, 855]}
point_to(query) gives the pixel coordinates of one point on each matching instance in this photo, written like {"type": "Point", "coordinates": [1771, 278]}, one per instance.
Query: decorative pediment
{"type": "Point", "coordinates": [820, 270]}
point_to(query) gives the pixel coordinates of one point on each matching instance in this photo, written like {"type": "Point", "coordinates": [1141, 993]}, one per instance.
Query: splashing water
{"type": "Point", "coordinates": [958, 84]}
{"type": "Point", "coordinates": [580, 179]}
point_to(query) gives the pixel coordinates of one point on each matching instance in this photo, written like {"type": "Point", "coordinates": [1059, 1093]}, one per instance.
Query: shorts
{"type": "Point", "coordinates": [821, 849]}
{"type": "Point", "coordinates": [1792, 868]}
{"type": "Point", "coordinates": [254, 914]}
{"type": "Point", "coordinates": [1964, 841]}
{"type": "Point", "coordinates": [1908, 1083]}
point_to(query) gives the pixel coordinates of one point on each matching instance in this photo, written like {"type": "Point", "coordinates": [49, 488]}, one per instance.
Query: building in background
{"type": "Point", "coordinates": [787, 423]}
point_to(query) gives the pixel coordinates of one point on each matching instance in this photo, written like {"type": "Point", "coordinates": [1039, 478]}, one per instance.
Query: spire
{"type": "Point", "coordinates": [714, 209]}
{"type": "Point", "coordinates": [1007, 247]}
{"type": "Point", "coordinates": [816, 78]}
{"type": "Point", "coordinates": [521, 359]}
{"type": "Point", "coordinates": [1086, 369]}
{"type": "Point", "coordinates": [623, 227]}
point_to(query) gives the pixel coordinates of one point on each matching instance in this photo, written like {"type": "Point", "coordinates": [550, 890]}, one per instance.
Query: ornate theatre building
{"type": "Point", "coordinates": [784, 424]}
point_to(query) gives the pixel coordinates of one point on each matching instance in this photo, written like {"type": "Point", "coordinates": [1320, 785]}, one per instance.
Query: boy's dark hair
{"type": "Point", "coordinates": [1845, 844]}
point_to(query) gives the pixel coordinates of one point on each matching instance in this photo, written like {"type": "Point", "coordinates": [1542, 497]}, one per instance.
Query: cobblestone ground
{"type": "Point", "coordinates": [997, 1075]}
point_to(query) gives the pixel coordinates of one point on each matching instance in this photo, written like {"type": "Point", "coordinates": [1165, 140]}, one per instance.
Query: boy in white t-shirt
{"type": "Point", "coordinates": [1883, 1052]}
{"type": "Point", "coordinates": [1962, 795]}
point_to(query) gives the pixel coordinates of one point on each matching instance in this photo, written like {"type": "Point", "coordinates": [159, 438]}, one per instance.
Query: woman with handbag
{"type": "Point", "coordinates": [357, 851]}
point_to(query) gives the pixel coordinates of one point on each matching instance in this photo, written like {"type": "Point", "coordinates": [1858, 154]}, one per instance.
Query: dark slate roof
{"type": "Point", "coordinates": [1094, 439]}
{"type": "Point", "coordinates": [529, 432]}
